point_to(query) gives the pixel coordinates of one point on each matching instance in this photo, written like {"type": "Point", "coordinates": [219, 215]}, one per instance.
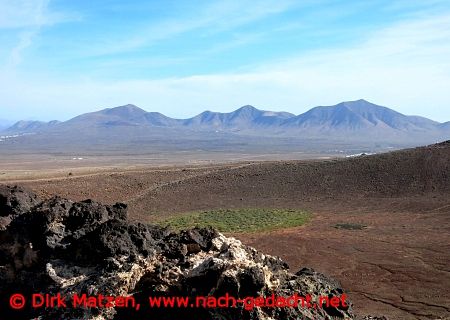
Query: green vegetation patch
{"type": "Point", "coordinates": [350, 226]}
{"type": "Point", "coordinates": [240, 220]}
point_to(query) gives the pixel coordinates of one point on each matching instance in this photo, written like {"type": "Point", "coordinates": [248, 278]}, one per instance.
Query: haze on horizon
{"type": "Point", "coordinates": [61, 58]}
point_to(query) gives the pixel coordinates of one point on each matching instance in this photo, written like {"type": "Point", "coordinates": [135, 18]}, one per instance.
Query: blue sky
{"type": "Point", "coordinates": [61, 58]}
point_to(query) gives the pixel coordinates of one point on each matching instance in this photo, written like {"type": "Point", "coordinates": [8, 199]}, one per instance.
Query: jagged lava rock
{"type": "Point", "coordinates": [14, 201]}
{"type": "Point", "coordinates": [59, 246]}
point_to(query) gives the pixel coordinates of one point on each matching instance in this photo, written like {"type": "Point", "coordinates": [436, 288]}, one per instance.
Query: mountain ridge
{"type": "Point", "coordinates": [357, 119]}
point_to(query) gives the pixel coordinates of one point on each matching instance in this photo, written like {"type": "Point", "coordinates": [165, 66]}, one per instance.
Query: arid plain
{"type": "Point", "coordinates": [380, 224]}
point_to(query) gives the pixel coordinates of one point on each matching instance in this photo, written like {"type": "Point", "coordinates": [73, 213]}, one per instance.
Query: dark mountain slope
{"type": "Point", "coordinates": [410, 172]}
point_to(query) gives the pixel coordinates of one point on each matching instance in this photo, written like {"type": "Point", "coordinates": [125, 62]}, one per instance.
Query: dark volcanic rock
{"type": "Point", "coordinates": [14, 201]}
{"type": "Point", "coordinates": [62, 247]}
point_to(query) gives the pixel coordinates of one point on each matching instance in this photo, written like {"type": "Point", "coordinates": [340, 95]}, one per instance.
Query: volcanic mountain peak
{"type": "Point", "coordinates": [26, 123]}
{"type": "Point", "coordinates": [336, 116]}
{"type": "Point", "coordinates": [247, 109]}
{"type": "Point", "coordinates": [240, 117]}
{"type": "Point", "coordinates": [245, 113]}
{"type": "Point", "coordinates": [375, 114]}
{"type": "Point", "coordinates": [206, 118]}
{"type": "Point", "coordinates": [360, 107]}
{"type": "Point", "coordinates": [359, 114]}
{"type": "Point", "coordinates": [128, 110]}
{"type": "Point", "coordinates": [360, 104]}
{"type": "Point", "coordinates": [119, 116]}
{"type": "Point", "coordinates": [244, 118]}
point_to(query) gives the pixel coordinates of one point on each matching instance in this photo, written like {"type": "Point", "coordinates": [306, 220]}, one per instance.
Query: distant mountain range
{"type": "Point", "coordinates": [29, 126]}
{"type": "Point", "coordinates": [353, 120]}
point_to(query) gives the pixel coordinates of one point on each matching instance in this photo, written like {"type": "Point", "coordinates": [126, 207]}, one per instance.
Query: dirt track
{"type": "Point", "coordinates": [398, 266]}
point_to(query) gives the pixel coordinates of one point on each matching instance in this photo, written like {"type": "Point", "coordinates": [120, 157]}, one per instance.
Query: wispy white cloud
{"type": "Point", "coordinates": [19, 14]}
{"type": "Point", "coordinates": [27, 18]}
{"type": "Point", "coordinates": [29, 13]}
{"type": "Point", "coordinates": [25, 40]}
{"type": "Point", "coordinates": [224, 15]}
{"type": "Point", "coordinates": [212, 18]}
{"type": "Point", "coordinates": [415, 7]}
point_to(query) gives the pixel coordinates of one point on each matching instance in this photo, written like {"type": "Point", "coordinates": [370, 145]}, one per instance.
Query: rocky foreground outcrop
{"type": "Point", "coordinates": [85, 248]}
